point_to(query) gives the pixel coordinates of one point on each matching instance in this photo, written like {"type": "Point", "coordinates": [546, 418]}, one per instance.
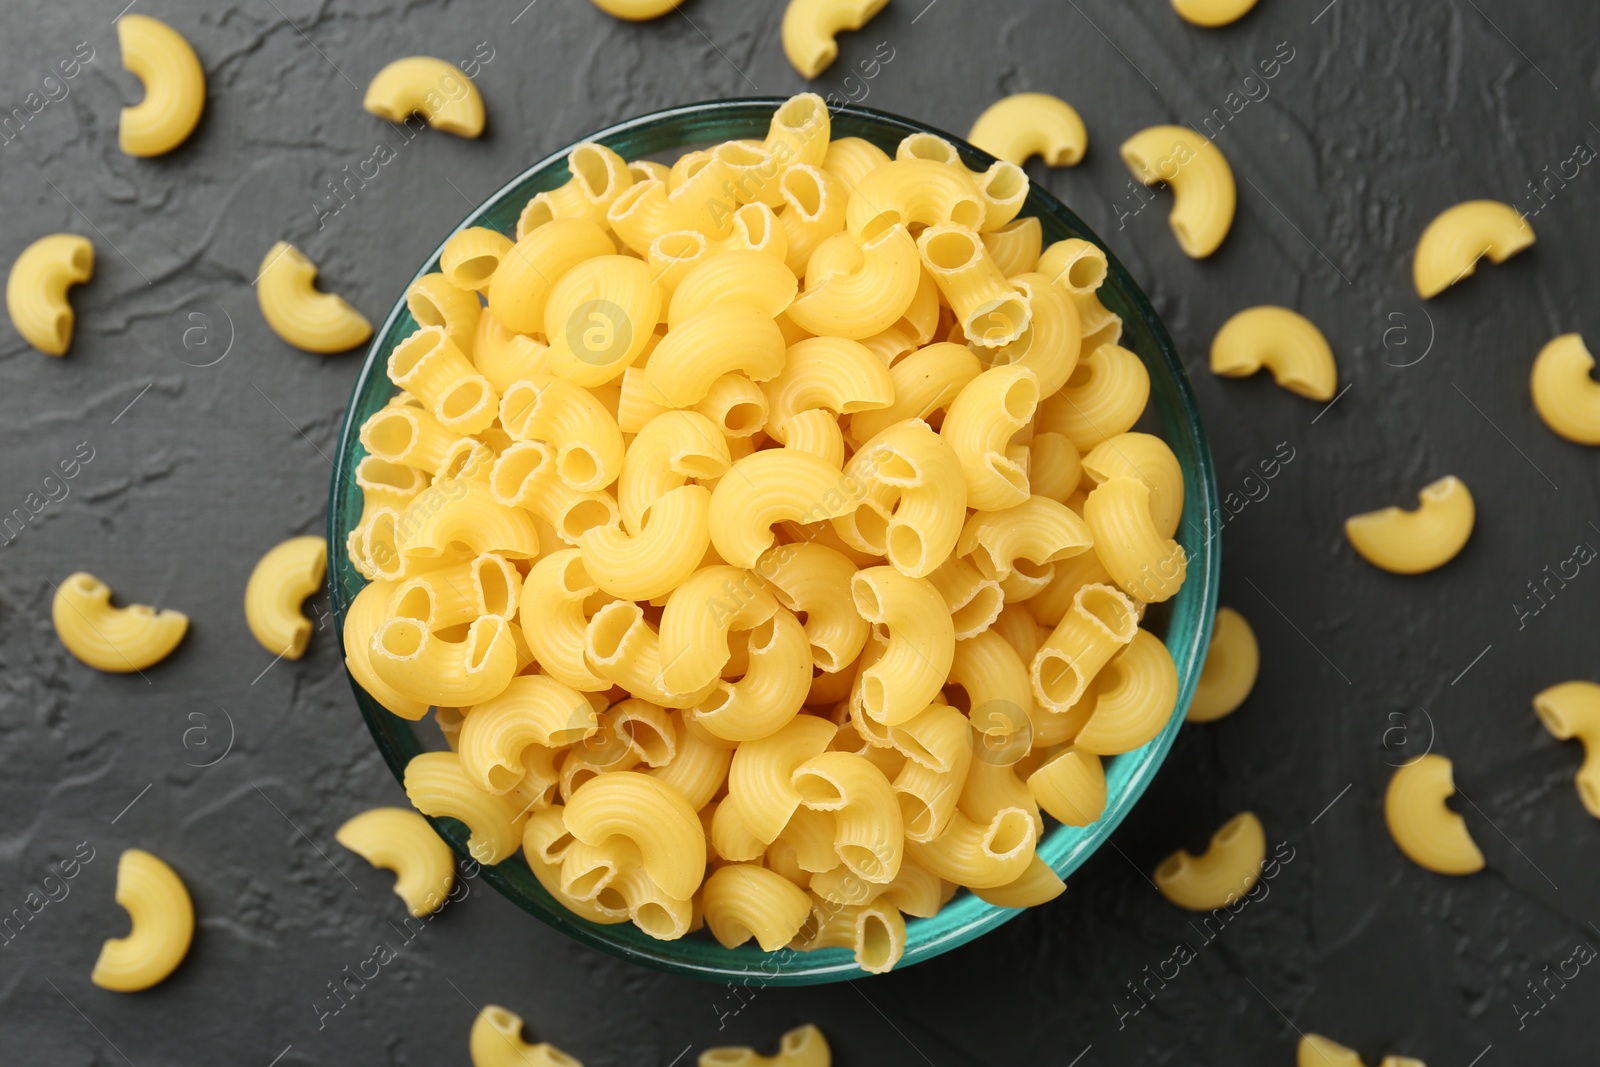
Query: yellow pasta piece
{"type": "Point", "coordinates": [744, 901]}
{"type": "Point", "coordinates": [531, 710]}
{"type": "Point", "coordinates": [1101, 621]}
{"type": "Point", "coordinates": [437, 786]}
{"type": "Point", "coordinates": [803, 1046]}
{"type": "Point", "coordinates": [522, 282]}
{"type": "Point", "coordinates": [851, 159]}
{"type": "Point", "coordinates": [1104, 397]}
{"type": "Point", "coordinates": [923, 382]}
{"type": "Point", "coordinates": [651, 815]}
{"type": "Point", "coordinates": [430, 366]}
{"type": "Point", "coordinates": [552, 618]}
{"type": "Point", "coordinates": [814, 203]}
{"type": "Point", "coordinates": [1565, 393]}
{"type": "Point", "coordinates": [496, 1039]}
{"type": "Point", "coordinates": [1039, 531]}
{"type": "Point", "coordinates": [738, 276]}
{"type": "Point", "coordinates": [761, 793]}
{"type": "Point", "coordinates": [1452, 244]}
{"type": "Point", "coordinates": [36, 289]}
{"type": "Point", "coordinates": [992, 313]}
{"type": "Point", "coordinates": [809, 28]}
{"type": "Point", "coordinates": [814, 580]}
{"type": "Point", "coordinates": [768, 487]}
{"type": "Point", "coordinates": [1070, 787]}
{"type": "Point", "coordinates": [1286, 343]}
{"type": "Point", "coordinates": [158, 904]}
{"type": "Point", "coordinates": [1134, 697]}
{"type": "Point", "coordinates": [465, 513]}
{"type": "Point", "coordinates": [116, 640]}
{"type": "Point", "coordinates": [1031, 124]}
{"type": "Point", "coordinates": [437, 90]}
{"type": "Point", "coordinates": [1572, 710]}
{"type": "Point", "coordinates": [915, 660]}
{"type": "Point", "coordinates": [400, 840]}
{"type": "Point", "coordinates": [470, 257]}
{"type": "Point", "coordinates": [1212, 13]}
{"type": "Point", "coordinates": [1315, 1050]}
{"type": "Point", "coordinates": [1203, 195]}
{"type": "Point", "coordinates": [834, 373]}
{"type": "Point", "coordinates": [775, 684]}
{"type": "Point", "coordinates": [1147, 566]}
{"type": "Point", "coordinates": [599, 177]}
{"type": "Point", "coordinates": [1038, 884]}
{"type": "Point", "coordinates": [980, 425]}
{"type": "Point", "coordinates": [174, 86]}
{"type": "Point", "coordinates": [1075, 265]}
{"type": "Point", "coordinates": [434, 301]}
{"type": "Point", "coordinates": [1411, 542]}
{"type": "Point", "coordinates": [980, 855]}
{"type": "Point", "coordinates": [909, 494]}
{"type": "Point", "coordinates": [661, 555]}
{"type": "Point", "coordinates": [868, 833]}
{"type": "Point", "coordinates": [1015, 247]}
{"type": "Point", "coordinates": [281, 580]}
{"type": "Point", "coordinates": [622, 646]}
{"type": "Point", "coordinates": [1428, 833]}
{"type": "Point", "coordinates": [1147, 458]}
{"type": "Point", "coordinates": [587, 442]}
{"type": "Point", "coordinates": [1230, 670]}
{"type": "Point", "coordinates": [303, 317]}
{"type": "Point", "coordinates": [698, 616]}
{"type": "Point", "coordinates": [718, 340]}
{"type": "Point", "coordinates": [368, 611]}
{"type": "Point", "coordinates": [1221, 874]}
{"type": "Point", "coordinates": [870, 295]}
{"type": "Point", "coordinates": [974, 600]}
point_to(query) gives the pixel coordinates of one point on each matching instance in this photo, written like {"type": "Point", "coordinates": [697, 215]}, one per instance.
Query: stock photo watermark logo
{"type": "Point", "coordinates": [1542, 191]}
{"type": "Point", "coordinates": [207, 734]}
{"type": "Point", "coordinates": [1540, 589]}
{"type": "Point", "coordinates": [1408, 737]}
{"type": "Point", "coordinates": [199, 332]}
{"type": "Point", "coordinates": [599, 332]}
{"type": "Point", "coordinates": [1184, 952]}
{"type": "Point", "coordinates": [344, 191]}
{"type": "Point", "coordinates": [1255, 489]}
{"type": "Point", "coordinates": [349, 984]}
{"type": "Point", "coordinates": [53, 888]}
{"type": "Point", "coordinates": [53, 489]}
{"type": "Point", "coordinates": [1398, 343]}
{"type": "Point", "coordinates": [51, 90]}
{"type": "Point", "coordinates": [1582, 954]}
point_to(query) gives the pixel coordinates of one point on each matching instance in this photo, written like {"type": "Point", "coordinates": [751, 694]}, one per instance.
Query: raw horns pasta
{"type": "Point", "coordinates": [699, 561]}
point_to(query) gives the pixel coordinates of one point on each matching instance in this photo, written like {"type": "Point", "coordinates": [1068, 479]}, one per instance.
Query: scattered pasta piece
{"type": "Point", "coordinates": [1430, 834]}
{"type": "Point", "coordinates": [809, 28]}
{"type": "Point", "coordinates": [1565, 393]}
{"type": "Point", "coordinates": [280, 582]}
{"type": "Point", "coordinates": [1315, 1050]}
{"type": "Point", "coordinates": [36, 289]}
{"type": "Point", "coordinates": [1031, 124]}
{"type": "Point", "coordinates": [636, 10]}
{"type": "Point", "coordinates": [803, 1046]}
{"type": "Point", "coordinates": [163, 925]}
{"type": "Point", "coordinates": [1230, 671]}
{"type": "Point", "coordinates": [1286, 343]}
{"type": "Point", "coordinates": [1572, 710]}
{"type": "Point", "coordinates": [1203, 194]}
{"type": "Point", "coordinates": [437, 90]}
{"type": "Point", "coordinates": [497, 1041]}
{"type": "Point", "coordinates": [1411, 542]}
{"type": "Point", "coordinates": [174, 86]}
{"type": "Point", "coordinates": [1451, 246]}
{"type": "Point", "coordinates": [1212, 13]}
{"type": "Point", "coordinates": [1223, 873]}
{"type": "Point", "coordinates": [111, 639]}
{"type": "Point", "coordinates": [305, 318]}
{"type": "Point", "coordinates": [400, 840]}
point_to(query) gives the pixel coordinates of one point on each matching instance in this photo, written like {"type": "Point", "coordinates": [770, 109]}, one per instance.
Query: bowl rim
{"type": "Point", "coordinates": [828, 965]}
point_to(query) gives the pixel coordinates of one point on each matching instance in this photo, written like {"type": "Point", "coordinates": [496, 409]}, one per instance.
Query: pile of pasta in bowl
{"type": "Point", "coordinates": [768, 534]}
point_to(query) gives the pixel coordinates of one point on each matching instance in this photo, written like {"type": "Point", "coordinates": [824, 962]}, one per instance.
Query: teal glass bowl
{"type": "Point", "coordinates": [1185, 620]}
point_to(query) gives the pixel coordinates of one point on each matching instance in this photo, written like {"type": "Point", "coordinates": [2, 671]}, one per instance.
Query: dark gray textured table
{"type": "Point", "coordinates": [1382, 112]}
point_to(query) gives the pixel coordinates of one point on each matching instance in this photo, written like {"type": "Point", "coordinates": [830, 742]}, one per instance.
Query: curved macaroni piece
{"type": "Point", "coordinates": [814, 580]}
{"type": "Point", "coordinates": [436, 785]}
{"type": "Point", "coordinates": [696, 622]}
{"type": "Point", "coordinates": [768, 487]}
{"type": "Point", "coordinates": [1147, 566]}
{"type": "Point", "coordinates": [834, 373]}
{"type": "Point", "coordinates": [524, 476]}
{"type": "Point", "coordinates": [911, 192]}
{"type": "Point", "coordinates": [470, 257]}
{"type": "Point", "coordinates": [915, 660]}
{"type": "Point", "coordinates": [1565, 393]}
{"type": "Point", "coordinates": [368, 611]}
{"type": "Point", "coordinates": [1230, 670]}
{"type": "Point", "coordinates": [496, 1039]}
{"type": "Point", "coordinates": [303, 317]}
{"type": "Point", "coordinates": [1286, 343]}
{"type": "Point", "coordinates": [664, 552]}
{"type": "Point", "coordinates": [803, 1046]}
{"type": "Point", "coordinates": [1147, 458]}
{"type": "Point", "coordinates": [1101, 621]}
{"type": "Point", "coordinates": [425, 667]}
{"type": "Point", "coordinates": [1103, 397]}
{"type": "Point", "coordinates": [553, 621]}
{"type": "Point", "coordinates": [1221, 874]}
{"type": "Point", "coordinates": [1038, 531]}
{"type": "Point", "coordinates": [1430, 834]}
{"type": "Point", "coordinates": [761, 792]}
{"type": "Point", "coordinates": [925, 381]}
{"type": "Point", "coordinates": [531, 710]}
{"type": "Point", "coordinates": [990, 311]}
{"type": "Point", "coordinates": [163, 925]}
{"type": "Point", "coordinates": [722, 339]}
{"type": "Point", "coordinates": [465, 512]}
{"type": "Point", "coordinates": [810, 26]}
{"type": "Point", "coordinates": [651, 815]}
{"type": "Point", "coordinates": [867, 299]}
{"type": "Point", "coordinates": [174, 86]}
{"type": "Point", "coordinates": [280, 582]}
{"type": "Point", "coordinates": [1070, 787]}
{"type": "Point", "coordinates": [434, 301]}
{"type": "Point", "coordinates": [1135, 695]}
{"type": "Point", "coordinates": [1075, 265]}
{"type": "Point", "coordinates": [36, 289]}
{"type": "Point", "coordinates": [740, 276]}
{"type": "Point", "coordinates": [916, 498]}
{"type": "Point", "coordinates": [430, 366]}
{"type": "Point", "coordinates": [599, 177]}
{"type": "Point", "coordinates": [1572, 710]}
{"type": "Point", "coordinates": [437, 90]}
{"type": "Point", "coordinates": [623, 647]}
{"type": "Point", "coordinates": [980, 855]}
{"type": "Point", "coordinates": [1212, 13]}
{"type": "Point", "coordinates": [776, 682]}
{"type": "Point", "coordinates": [1411, 542]}
{"type": "Point", "coordinates": [1203, 194]}
{"type": "Point", "coordinates": [980, 424]}
{"type": "Point", "coordinates": [1031, 124]}
{"type": "Point", "coordinates": [1015, 247]}
{"type": "Point", "coordinates": [400, 840]}
{"type": "Point", "coordinates": [117, 640]}
{"type": "Point", "coordinates": [667, 452]}
{"type": "Point", "coordinates": [600, 316]}
{"type": "Point", "coordinates": [744, 901]}
{"type": "Point", "coordinates": [850, 159]}
{"type": "Point", "coordinates": [545, 845]}
{"type": "Point", "coordinates": [1449, 249]}
{"type": "Point", "coordinates": [588, 444]}
{"type": "Point", "coordinates": [1051, 344]}
{"type": "Point", "coordinates": [1038, 884]}
{"type": "Point", "coordinates": [814, 206]}
{"type": "Point", "coordinates": [868, 834]}
{"type": "Point", "coordinates": [521, 285]}
{"type": "Point", "coordinates": [974, 601]}
{"type": "Point", "coordinates": [698, 769]}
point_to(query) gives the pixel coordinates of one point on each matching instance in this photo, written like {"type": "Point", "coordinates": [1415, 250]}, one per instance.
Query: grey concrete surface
{"type": "Point", "coordinates": [238, 770]}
